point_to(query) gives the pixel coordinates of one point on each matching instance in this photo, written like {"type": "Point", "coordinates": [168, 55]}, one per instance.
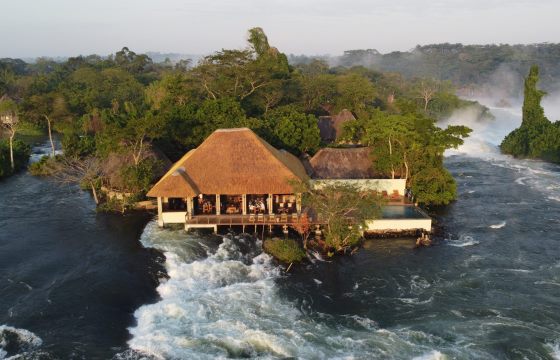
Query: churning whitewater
{"type": "Point", "coordinates": [223, 302]}
{"type": "Point", "coordinates": [489, 289]}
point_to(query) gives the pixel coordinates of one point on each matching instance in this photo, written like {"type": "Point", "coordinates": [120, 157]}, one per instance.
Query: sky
{"type": "Point", "coordinates": [31, 28]}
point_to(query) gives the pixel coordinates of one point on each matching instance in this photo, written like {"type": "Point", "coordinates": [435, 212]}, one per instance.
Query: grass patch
{"type": "Point", "coordinates": [285, 250]}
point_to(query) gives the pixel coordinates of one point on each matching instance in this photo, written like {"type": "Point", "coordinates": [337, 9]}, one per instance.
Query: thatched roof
{"type": "Point", "coordinates": [331, 126]}
{"type": "Point", "coordinates": [343, 163]}
{"type": "Point", "coordinates": [229, 162]}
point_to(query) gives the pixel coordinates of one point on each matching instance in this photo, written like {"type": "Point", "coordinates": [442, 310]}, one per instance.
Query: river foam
{"type": "Point", "coordinates": [17, 343]}
{"type": "Point", "coordinates": [225, 303]}
{"type": "Point", "coordinates": [463, 241]}
{"type": "Point", "coordinates": [554, 349]}
{"type": "Point", "coordinates": [498, 226]}
{"type": "Point", "coordinates": [484, 141]}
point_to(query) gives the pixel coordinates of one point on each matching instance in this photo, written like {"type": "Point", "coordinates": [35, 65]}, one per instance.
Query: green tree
{"type": "Point", "coordinates": [354, 92]}
{"type": "Point", "coordinates": [293, 130]}
{"type": "Point", "coordinates": [537, 137]}
{"type": "Point", "coordinates": [20, 152]}
{"type": "Point", "coordinates": [50, 108]}
{"type": "Point", "coordinates": [410, 146]}
{"type": "Point", "coordinates": [345, 209]}
{"type": "Point", "coordinates": [9, 120]}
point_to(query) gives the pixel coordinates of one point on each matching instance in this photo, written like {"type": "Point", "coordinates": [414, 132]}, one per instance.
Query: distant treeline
{"type": "Point", "coordinates": [117, 114]}
{"type": "Point", "coordinates": [474, 68]}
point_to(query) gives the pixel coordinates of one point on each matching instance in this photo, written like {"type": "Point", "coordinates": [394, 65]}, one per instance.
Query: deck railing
{"type": "Point", "coordinates": [256, 219]}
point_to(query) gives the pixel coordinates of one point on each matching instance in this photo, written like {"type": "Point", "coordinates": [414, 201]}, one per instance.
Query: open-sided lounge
{"type": "Point", "coordinates": [234, 177]}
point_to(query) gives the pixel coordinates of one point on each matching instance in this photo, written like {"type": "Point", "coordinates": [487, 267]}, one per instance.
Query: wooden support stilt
{"type": "Point", "coordinates": [160, 211]}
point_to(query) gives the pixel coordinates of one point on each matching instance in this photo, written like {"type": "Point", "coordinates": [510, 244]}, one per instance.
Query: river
{"type": "Point", "coordinates": [76, 284]}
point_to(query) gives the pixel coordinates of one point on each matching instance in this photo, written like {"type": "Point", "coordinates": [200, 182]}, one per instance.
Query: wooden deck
{"type": "Point", "coordinates": [240, 220]}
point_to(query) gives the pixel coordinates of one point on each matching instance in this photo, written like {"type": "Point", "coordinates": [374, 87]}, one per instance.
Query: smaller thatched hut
{"type": "Point", "coordinates": [343, 163]}
{"type": "Point", "coordinates": [331, 126]}
{"type": "Point", "coordinates": [353, 166]}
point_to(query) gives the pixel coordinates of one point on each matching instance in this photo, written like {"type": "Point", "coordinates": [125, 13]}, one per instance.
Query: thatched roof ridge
{"type": "Point", "coordinates": [232, 161]}
{"type": "Point", "coordinates": [343, 163]}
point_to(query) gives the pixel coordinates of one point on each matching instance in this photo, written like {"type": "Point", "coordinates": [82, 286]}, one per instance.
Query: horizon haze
{"type": "Point", "coordinates": [62, 28]}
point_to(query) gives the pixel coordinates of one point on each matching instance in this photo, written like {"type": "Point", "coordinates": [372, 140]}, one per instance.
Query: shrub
{"type": "Point", "coordinates": [22, 151]}
{"type": "Point", "coordinates": [285, 250]}
{"type": "Point", "coordinates": [44, 167]}
{"type": "Point", "coordinates": [139, 178]}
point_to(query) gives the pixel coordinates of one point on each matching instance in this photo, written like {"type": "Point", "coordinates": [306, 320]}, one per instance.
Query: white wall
{"type": "Point", "coordinates": [175, 217]}
{"type": "Point", "coordinates": [366, 184]}
{"type": "Point", "coordinates": [399, 224]}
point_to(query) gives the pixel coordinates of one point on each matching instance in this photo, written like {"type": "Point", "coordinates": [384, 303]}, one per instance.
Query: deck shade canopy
{"type": "Point", "coordinates": [231, 162]}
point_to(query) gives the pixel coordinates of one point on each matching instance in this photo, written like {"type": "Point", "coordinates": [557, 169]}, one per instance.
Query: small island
{"type": "Point", "coordinates": [537, 137]}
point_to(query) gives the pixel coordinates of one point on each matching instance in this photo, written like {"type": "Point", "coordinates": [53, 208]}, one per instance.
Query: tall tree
{"type": "Point", "coordinates": [426, 90]}
{"type": "Point", "coordinates": [10, 121]}
{"type": "Point", "coordinates": [537, 137]}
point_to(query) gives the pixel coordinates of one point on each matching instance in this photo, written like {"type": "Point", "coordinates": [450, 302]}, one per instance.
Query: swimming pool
{"type": "Point", "coordinates": [402, 212]}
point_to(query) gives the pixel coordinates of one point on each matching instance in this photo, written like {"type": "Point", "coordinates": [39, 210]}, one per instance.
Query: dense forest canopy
{"type": "Point", "coordinates": [122, 112]}
{"type": "Point", "coordinates": [475, 69]}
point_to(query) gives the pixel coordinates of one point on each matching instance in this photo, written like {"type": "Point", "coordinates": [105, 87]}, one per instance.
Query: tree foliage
{"type": "Point", "coordinates": [537, 137]}
{"type": "Point", "coordinates": [293, 130]}
{"type": "Point", "coordinates": [21, 152]}
{"type": "Point", "coordinates": [410, 146]}
{"type": "Point", "coordinates": [124, 109]}
{"type": "Point", "coordinates": [344, 209]}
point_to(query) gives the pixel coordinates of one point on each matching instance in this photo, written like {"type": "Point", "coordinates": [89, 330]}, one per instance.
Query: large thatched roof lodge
{"type": "Point", "coordinates": [236, 178]}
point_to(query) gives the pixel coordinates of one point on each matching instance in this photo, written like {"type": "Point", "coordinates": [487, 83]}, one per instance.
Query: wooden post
{"type": "Point", "coordinates": [218, 204]}
{"type": "Point", "coordinates": [244, 204]}
{"type": "Point", "coordinates": [298, 203]}
{"type": "Point", "coordinates": [160, 211]}
{"type": "Point", "coordinates": [189, 207]}
{"type": "Point", "coordinates": [269, 200]}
